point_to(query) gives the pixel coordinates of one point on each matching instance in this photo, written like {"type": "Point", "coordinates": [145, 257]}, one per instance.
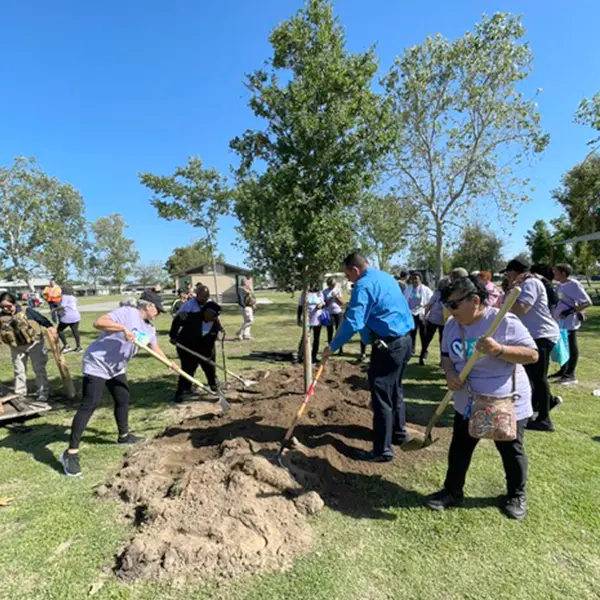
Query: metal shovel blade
{"type": "Point", "coordinates": [417, 443]}
{"type": "Point", "coordinates": [223, 404]}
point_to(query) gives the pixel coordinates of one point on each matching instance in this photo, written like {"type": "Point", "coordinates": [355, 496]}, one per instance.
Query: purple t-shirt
{"type": "Point", "coordinates": [490, 376]}
{"type": "Point", "coordinates": [570, 295]}
{"type": "Point", "coordinates": [538, 319]}
{"type": "Point", "coordinates": [107, 356]}
{"type": "Point", "coordinates": [70, 313]}
{"type": "Point", "coordinates": [333, 308]}
{"type": "Point", "coordinates": [436, 313]}
{"type": "Point", "coordinates": [314, 312]}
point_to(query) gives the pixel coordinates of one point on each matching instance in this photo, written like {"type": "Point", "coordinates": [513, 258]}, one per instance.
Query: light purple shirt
{"type": "Point", "coordinates": [538, 319]}
{"type": "Point", "coordinates": [107, 356]}
{"type": "Point", "coordinates": [70, 313]}
{"type": "Point", "coordinates": [490, 376]}
{"type": "Point", "coordinates": [570, 295]}
{"type": "Point", "coordinates": [314, 313]}
{"type": "Point", "coordinates": [333, 308]}
{"type": "Point", "coordinates": [436, 314]}
{"type": "Point", "coordinates": [417, 298]}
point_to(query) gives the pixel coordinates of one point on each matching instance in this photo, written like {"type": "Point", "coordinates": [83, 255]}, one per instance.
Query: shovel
{"type": "Point", "coordinates": [245, 382]}
{"type": "Point", "coordinates": [222, 402]}
{"type": "Point", "coordinates": [418, 443]}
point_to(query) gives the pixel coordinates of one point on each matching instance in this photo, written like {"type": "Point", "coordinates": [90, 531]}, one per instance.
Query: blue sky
{"type": "Point", "coordinates": [98, 91]}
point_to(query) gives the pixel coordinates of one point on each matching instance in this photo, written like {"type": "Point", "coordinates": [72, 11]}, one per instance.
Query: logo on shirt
{"type": "Point", "coordinates": [141, 336]}
{"type": "Point", "coordinates": [457, 347]}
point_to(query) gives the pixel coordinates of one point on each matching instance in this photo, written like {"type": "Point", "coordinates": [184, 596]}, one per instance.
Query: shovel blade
{"type": "Point", "coordinates": [417, 443]}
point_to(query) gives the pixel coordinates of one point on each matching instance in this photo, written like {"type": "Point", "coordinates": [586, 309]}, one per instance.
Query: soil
{"type": "Point", "coordinates": [209, 501]}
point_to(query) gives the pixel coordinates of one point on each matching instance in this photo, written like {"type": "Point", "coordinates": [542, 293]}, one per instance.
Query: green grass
{"type": "Point", "coordinates": [59, 541]}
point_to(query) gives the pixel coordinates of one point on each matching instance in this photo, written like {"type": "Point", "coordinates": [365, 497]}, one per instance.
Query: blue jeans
{"type": "Point", "coordinates": [387, 395]}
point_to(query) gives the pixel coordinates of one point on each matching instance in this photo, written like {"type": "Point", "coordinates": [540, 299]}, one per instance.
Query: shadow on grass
{"type": "Point", "coordinates": [596, 438]}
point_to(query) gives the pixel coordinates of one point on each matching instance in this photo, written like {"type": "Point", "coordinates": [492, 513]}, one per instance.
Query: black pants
{"type": "Point", "coordinates": [420, 327]}
{"type": "Point", "coordinates": [190, 363]}
{"type": "Point", "coordinates": [387, 396]}
{"type": "Point", "coordinates": [316, 337]}
{"type": "Point", "coordinates": [363, 348]}
{"type": "Point", "coordinates": [335, 325]}
{"type": "Point", "coordinates": [568, 369]}
{"type": "Point", "coordinates": [541, 397]}
{"type": "Point", "coordinates": [430, 329]}
{"type": "Point", "coordinates": [74, 329]}
{"type": "Point", "coordinates": [461, 451]}
{"type": "Point", "coordinates": [93, 387]}
{"type": "Point", "coordinates": [53, 313]}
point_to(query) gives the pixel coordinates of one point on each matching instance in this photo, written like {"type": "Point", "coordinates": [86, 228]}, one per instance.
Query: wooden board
{"type": "Point", "coordinates": [63, 369]}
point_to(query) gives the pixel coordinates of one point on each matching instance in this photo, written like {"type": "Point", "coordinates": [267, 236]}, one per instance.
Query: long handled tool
{"type": "Point", "coordinates": [63, 369]}
{"type": "Point", "coordinates": [246, 382]}
{"type": "Point", "coordinates": [224, 358]}
{"type": "Point", "coordinates": [288, 433]}
{"type": "Point", "coordinates": [222, 402]}
{"type": "Point", "coordinates": [418, 443]}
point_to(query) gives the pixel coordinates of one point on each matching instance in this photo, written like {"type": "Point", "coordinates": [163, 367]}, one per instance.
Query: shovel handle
{"type": "Point", "coordinates": [439, 411]}
{"type": "Point", "coordinates": [210, 362]}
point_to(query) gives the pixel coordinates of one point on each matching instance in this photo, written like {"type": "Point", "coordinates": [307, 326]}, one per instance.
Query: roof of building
{"type": "Point", "coordinates": [18, 283]}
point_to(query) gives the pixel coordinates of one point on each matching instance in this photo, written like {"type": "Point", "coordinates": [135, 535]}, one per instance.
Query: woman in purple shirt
{"type": "Point", "coordinates": [434, 318]}
{"type": "Point", "coordinates": [498, 373]}
{"type": "Point", "coordinates": [68, 316]}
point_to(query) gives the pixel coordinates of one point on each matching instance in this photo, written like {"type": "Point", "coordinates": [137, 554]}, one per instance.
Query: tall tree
{"type": "Point", "coordinates": [151, 273]}
{"type": "Point", "coordinates": [188, 257]}
{"type": "Point", "coordinates": [193, 194]}
{"type": "Point", "coordinates": [387, 224]}
{"type": "Point", "coordinates": [43, 228]}
{"type": "Point", "coordinates": [478, 249]}
{"type": "Point", "coordinates": [423, 255]}
{"type": "Point", "coordinates": [463, 131]}
{"type": "Point", "coordinates": [540, 240]}
{"type": "Point", "coordinates": [301, 175]}
{"type": "Point", "coordinates": [588, 113]}
{"type": "Point", "coordinates": [114, 256]}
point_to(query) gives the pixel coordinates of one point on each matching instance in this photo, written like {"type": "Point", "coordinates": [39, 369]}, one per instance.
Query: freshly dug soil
{"type": "Point", "coordinates": [210, 502]}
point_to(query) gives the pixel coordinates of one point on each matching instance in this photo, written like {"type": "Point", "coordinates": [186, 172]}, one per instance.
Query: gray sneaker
{"type": "Point", "coordinates": [70, 463]}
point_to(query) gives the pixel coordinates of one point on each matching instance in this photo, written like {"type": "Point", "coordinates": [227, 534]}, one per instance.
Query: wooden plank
{"type": "Point", "coordinates": [63, 369]}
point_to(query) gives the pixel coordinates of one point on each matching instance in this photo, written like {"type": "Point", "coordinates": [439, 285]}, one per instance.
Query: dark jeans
{"type": "Point", "coordinates": [420, 327]}
{"type": "Point", "coordinates": [568, 369]}
{"type": "Point", "coordinates": [93, 387]}
{"type": "Point", "coordinates": [363, 348]}
{"type": "Point", "coordinates": [541, 397]}
{"type": "Point", "coordinates": [75, 330]}
{"type": "Point", "coordinates": [430, 329]}
{"type": "Point", "coordinates": [190, 363]}
{"type": "Point", "coordinates": [53, 313]}
{"type": "Point", "coordinates": [461, 451]}
{"type": "Point", "coordinates": [387, 397]}
{"type": "Point", "coordinates": [335, 325]}
{"type": "Point", "coordinates": [316, 336]}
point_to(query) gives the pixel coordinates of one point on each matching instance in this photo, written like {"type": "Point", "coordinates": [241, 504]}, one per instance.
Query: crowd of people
{"type": "Point", "coordinates": [390, 314]}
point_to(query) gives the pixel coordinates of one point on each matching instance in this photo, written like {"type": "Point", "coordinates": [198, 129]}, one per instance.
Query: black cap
{"type": "Point", "coordinates": [516, 265]}
{"type": "Point", "coordinates": [212, 306]}
{"type": "Point", "coordinates": [154, 298]}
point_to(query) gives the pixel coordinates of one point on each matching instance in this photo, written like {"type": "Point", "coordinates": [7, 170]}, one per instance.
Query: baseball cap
{"type": "Point", "coordinates": [156, 299]}
{"type": "Point", "coordinates": [212, 306]}
{"type": "Point", "coordinates": [516, 265]}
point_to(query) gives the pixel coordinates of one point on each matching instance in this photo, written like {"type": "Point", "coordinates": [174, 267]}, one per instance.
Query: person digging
{"type": "Point", "coordinates": [104, 365]}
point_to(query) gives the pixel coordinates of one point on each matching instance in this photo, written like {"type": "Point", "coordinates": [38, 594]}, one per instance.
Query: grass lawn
{"type": "Point", "coordinates": [59, 540]}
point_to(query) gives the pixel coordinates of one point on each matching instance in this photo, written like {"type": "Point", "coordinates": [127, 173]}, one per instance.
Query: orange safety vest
{"type": "Point", "coordinates": [52, 294]}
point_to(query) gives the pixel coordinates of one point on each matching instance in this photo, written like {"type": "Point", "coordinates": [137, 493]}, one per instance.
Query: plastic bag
{"type": "Point", "coordinates": [560, 353]}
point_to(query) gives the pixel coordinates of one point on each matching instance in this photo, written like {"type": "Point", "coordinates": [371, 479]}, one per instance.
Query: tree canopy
{"type": "Point", "coordinates": [479, 248]}
{"type": "Point", "coordinates": [188, 257]}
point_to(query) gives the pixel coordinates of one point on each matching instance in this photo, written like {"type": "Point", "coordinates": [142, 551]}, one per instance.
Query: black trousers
{"type": "Point", "coordinates": [316, 338]}
{"type": "Point", "coordinates": [189, 364]}
{"type": "Point", "coordinates": [420, 327]}
{"type": "Point", "coordinates": [74, 329]}
{"type": "Point", "coordinates": [541, 397]}
{"type": "Point", "coordinates": [93, 388]}
{"type": "Point", "coordinates": [461, 451]}
{"type": "Point", "coordinates": [335, 325]}
{"type": "Point", "coordinates": [568, 369]}
{"type": "Point", "coordinates": [387, 395]}
{"type": "Point", "coordinates": [430, 329]}
{"type": "Point", "coordinates": [53, 313]}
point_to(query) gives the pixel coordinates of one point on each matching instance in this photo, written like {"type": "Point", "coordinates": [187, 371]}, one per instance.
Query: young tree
{"type": "Point", "coordinates": [423, 255]}
{"type": "Point", "coordinates": [193, 194]}
{"type": "Point", "coordinates": [463, 131]}
{"type": "Point", "coordinates": [187, 257]}
{"type": "Point", "coordinates": [43, 228]}
{"type": "Point", "coordinates": [302, 175]}
{"type": "Point", "coordinates": [540, 240]}
{"type": "Point", "coordinates": [114, 255]}
{"type": "Point", "coordinates": [478, 249]}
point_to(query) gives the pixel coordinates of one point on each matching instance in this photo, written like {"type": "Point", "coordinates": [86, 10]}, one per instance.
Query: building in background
{"type": "Point", "coordinates": [229, 279]}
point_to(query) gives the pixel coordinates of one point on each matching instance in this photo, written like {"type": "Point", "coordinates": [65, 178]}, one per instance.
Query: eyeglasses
{"type": "Point", "coordinates": [454, 304]}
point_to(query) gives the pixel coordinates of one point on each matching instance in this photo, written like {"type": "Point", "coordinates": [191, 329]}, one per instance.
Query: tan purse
{"type": "Point", "coordinates": [492, 418]}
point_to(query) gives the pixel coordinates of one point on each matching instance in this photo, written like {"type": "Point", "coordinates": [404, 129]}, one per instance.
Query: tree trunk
{"type": "Point", "coordinates": [439, 252]}
{"type": "Point", "coordinates": [306, 338]}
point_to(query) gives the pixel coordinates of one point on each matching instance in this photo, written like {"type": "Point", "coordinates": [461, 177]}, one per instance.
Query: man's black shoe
{"type": "Point", "coordinates": [129, 439]}
{"type": "Point", "coordinates": [516, 508]}
{"type": "Point", "coordinates": [372, 457]}
{"type": "Point", "coordinates": [537, 425]}
{"type": "Point", "coordinates": [442, 500]}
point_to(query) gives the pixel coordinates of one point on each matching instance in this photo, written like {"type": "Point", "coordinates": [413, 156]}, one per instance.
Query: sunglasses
{"type": "Point", "coordinates": [454, 304]}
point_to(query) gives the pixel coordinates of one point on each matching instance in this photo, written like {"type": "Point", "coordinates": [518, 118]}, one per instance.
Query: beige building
{"type": "Point", "coordinates": [229, 279]}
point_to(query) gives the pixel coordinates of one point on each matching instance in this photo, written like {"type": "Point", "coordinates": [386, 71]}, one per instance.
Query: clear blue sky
{"type": "Point", "coordinates": [98, 91]}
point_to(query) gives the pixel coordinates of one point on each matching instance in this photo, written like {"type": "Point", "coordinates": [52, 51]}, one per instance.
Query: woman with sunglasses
{"type": "Point", "coordinates": [498, 373]}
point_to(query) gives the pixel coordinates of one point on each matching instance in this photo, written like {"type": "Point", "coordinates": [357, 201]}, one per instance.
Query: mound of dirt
{"type": "Point", "coordinates": [209, 502]}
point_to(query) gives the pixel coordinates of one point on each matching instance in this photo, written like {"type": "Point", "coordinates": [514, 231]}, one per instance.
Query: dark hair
{"type": "Point", "coordinates": [543, 270]}
{"type": "Point", "coordinates": [356, 259]}
{"type": "Point", "coordinates": [67, 289]}
{"type": "Point", "coordinates": [465, 286]}
{"type": "Point", "coordinates": [565, 268]}
{"type": "Point", "coordinates": [416, 274]}
{"type": "Point", "coordinates": [8, 296]}
{"type": "Point", "coordinates": [331, 281]}
{"type": "Point", "coordinates": [403, 273]}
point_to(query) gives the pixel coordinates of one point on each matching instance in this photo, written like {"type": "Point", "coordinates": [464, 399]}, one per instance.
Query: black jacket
{"type": "Point", "coordinates": [186, 329]}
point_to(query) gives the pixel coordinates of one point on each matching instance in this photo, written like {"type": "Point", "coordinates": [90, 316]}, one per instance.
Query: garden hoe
{"type": "Point", "coordinates": [418, 443]}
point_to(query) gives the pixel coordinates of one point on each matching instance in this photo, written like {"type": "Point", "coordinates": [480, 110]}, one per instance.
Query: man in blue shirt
{"type": "Point", "coordinates": [379, 311]}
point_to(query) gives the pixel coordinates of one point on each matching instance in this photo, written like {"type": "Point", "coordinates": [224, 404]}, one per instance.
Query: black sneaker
{"type": "Point", "coordinates": [78, 350]}
{"type": "Point", "coordinates": [70, 463]}
{"type": "Point", "coordinates": [372, 457]}
{"type": "Point", "coordinates": [555, 401]}
{"type": "Point", "coordinates": [567, 381]}
{"type": "Point", "coordinates": [129, 440]}
{"type": "Point", "coordinates": [537, 425]}
{"type": "Point", "coordinates": [442, 500]}
{"type": "Point", "coordinates": [557, 375]}
{"type": "Point", "coordinates": [516, 508]}
{"type": "Point", "coordinates": [66, 350]}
